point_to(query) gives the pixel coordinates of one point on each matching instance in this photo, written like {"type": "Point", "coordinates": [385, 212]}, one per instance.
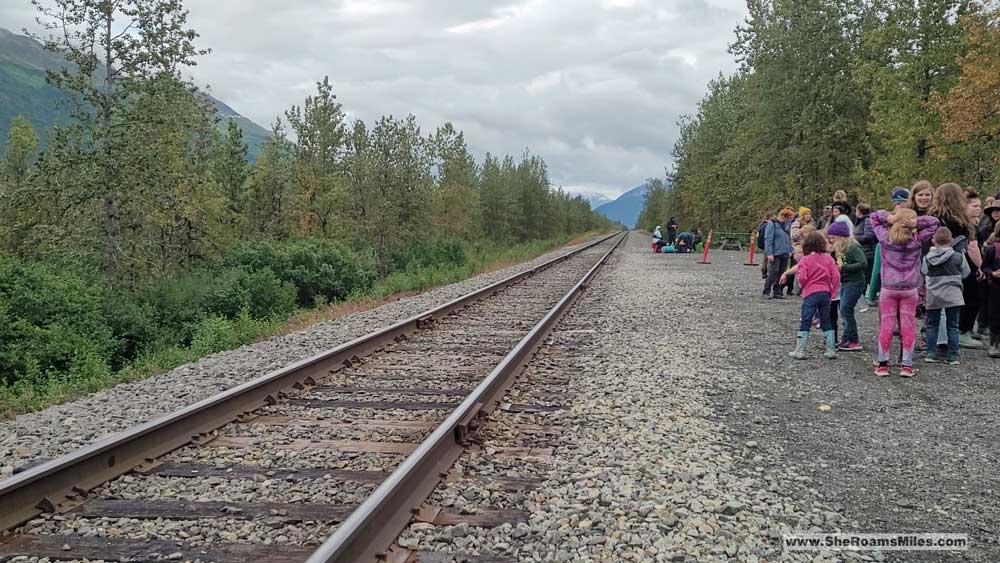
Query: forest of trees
{"type": "Point", "coordinates": [142, 227]}
{"type": "Point", "coordinates": [859, 95]}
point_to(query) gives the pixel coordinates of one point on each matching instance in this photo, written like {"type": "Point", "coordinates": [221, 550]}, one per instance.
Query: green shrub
{"type": "Point", "coordinates": [260, 293]}
{"type": "Point", "coordinates": [435, 252]}
{"type": "Point", "coordinates": [51, 324]}
{"type": "Point", "coordinates": [318, 269]}
{"type": "Point", "coordinates": [176, 305]}
{"type": "Point", "coordinates": [216, 334]}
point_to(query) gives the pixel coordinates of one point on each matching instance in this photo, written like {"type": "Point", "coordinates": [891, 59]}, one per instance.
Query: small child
{"type": "Point", "coordinates": [819, 279]}
{"type": "Point", "coordinates": [900, 236]}
{"type": "Point", "coordinates": [853, 264]}
{"type": "Point", "coordinates": [944, 269]}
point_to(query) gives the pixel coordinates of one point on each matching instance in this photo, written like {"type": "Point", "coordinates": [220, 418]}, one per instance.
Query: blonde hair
{"type": "Point", "coordinates": [840, 196]}
{"type": "Point", "coordinates": [901, 231]}
{"type": "Point", "coordinates": [841, 244]}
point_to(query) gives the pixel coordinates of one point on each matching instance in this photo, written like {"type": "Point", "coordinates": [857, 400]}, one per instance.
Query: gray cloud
{"type": "Point", "coordinates": [594, 86]}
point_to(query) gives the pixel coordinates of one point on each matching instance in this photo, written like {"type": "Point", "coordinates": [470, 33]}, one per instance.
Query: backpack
{"type": "Point", "coordinates": [761, 232]}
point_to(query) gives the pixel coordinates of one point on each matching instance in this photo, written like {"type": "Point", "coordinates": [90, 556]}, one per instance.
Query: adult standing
{"type": "Point", "coordinates": [777, 247]}
{"type": "Point", "coordinates": [987, 226]}
{"type": "Point", "coordinates": [824, 221]}
{"type": "Point", "coordinates": [970, 285]}
{"type": "Point", "coordinates": [865, 235]}
{"type": "Point", "coordinates": [951, 208]}
{"type": "Point", "coordinates": [921, 197]}
{"type": "Point", "coordinates": [840, 199]}
{"type": "Point", "coordinates": [760, 242]}
{"type": "Point", "coordinates": [671, 231]}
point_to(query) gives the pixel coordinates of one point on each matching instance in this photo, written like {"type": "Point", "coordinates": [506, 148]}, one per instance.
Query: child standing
{"type": "Point", "coordinates": [820, 279]}
{"type": "Point", "coordinates": [900, 237]}
{"type": "Point", "coordinates": [944, 269]}
{"type": "Point", "coordinates": [853, 264]}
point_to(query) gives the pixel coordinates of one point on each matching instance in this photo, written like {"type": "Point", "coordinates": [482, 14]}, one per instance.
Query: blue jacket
{"type": "Point", "coordinates": [777, 240]}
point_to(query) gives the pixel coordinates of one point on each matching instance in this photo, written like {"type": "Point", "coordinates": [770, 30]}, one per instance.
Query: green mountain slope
{"type": "Point", "coordinates": [24, 91]}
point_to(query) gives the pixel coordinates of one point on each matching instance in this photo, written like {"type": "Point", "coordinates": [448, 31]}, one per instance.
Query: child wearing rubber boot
{"type": "Point", "coordinates": [819, 278]}
{"type": "Point", "coordinates": [900, 236]}
{"type": "Point", "coordinates": [944, 269]}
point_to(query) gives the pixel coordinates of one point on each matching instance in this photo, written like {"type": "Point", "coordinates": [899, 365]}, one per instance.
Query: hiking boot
{"type": "Point", "coordinates": [906, 371]}
{"type": "Point", "coordinates": [965, 340]}
{"type": "Point", "coordinates": [882, 370]}
{"type": "Point", "coordinates": [850, 347]}
{"type": "Point", "coordinates": [994, 351]}
{"type": "Point", "coordinates": [831, 347]}
{"type": "Point", "coordinates": [801, 341]}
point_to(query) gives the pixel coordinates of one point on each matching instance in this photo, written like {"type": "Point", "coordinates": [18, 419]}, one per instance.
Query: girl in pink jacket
{"type": "Point", "coordinates": [820, 281]}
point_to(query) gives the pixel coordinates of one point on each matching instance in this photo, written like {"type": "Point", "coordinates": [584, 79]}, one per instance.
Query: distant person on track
{"type": "Point", "coordinates": [777, 247]}
{"type": "Point", "coordinates": [852, 263]}
{"type": "Point", "coordinates": [672, 231]}
{"type": "Point", "coordinates": [943, 270]}
{"type": "Point", "coordinates": [820, 279]}
{"type": "Point", "coordinates": [900, 237]}
{"type": "Point", "coordinates": [658, 242]}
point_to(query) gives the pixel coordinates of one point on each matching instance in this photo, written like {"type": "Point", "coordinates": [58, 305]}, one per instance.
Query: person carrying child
{"type": "Point", "coordinates": [943, 269]}
{"type": "Point", "coordinates": [853, 264]}
{"type": "Point", "coordinates": [901, 236]}
{"type": "Point", "coordinates": [820, 279]}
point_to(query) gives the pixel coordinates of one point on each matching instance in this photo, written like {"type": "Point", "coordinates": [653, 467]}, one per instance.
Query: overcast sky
{"type": "Point", "coordinates": [594, 86]}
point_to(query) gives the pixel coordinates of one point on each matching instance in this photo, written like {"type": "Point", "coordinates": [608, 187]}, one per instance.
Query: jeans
{"type": "Point", "coordinates": [774, 271]}
{"type": "Point", "coordinates": [816, 303]}
{"type": "Point", "coordinates": [895, 303]}
{"type": "Point", "coordinates": [850, 294]}
{"type": "Point", "coordinates": [933, 321]}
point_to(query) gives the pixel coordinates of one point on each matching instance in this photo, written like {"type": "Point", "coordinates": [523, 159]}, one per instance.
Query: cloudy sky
{"type": "Point", "coordinates": [594, 86]}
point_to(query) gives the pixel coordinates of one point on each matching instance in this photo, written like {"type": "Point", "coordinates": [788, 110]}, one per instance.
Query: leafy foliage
{"type": "Point", "coordinates": [856, 95]}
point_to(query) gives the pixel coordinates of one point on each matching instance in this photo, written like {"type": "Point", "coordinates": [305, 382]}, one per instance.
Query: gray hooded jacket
{"type": "Point", "coordinates": [944, 270]}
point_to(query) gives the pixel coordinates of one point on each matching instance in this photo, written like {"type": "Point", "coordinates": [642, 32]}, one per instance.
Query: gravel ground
{"type": "Point", "coordinates": [62, 428]}
{"type": "Point", "coordinates": [692, 437]}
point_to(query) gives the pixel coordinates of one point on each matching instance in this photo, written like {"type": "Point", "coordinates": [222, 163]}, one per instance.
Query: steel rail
{"type": "Point", "coordinates": [366, 535]}
{"type": "Point", "coordinates": [62, 482]}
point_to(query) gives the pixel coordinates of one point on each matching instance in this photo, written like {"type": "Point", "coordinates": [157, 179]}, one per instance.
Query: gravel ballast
{"type": "Point", "coordinates": [59, 429]}
{"type": "Point", "coordinates": [691, 436]}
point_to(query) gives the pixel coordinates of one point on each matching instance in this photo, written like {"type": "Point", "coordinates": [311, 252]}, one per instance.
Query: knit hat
{"type": "Point", "coordinates": [804, 210]}
{"type": "Point", "coordinates": [839, 229]}
{"type": "Point", "coordinates": [899, 195]}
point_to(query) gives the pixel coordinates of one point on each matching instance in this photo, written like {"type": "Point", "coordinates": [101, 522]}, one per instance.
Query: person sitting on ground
{"type": "Point", "coordinates": [685, 243]}
{"type": "Point", "coordinates": [944, 269]}
{"type": "Point", "coordinates": [991, 269]}
{"type": "Point", "coordinates": [820, 279]}
{"type": "Point", "coordinates": [658, 242]}
{"type": "Point", "coordinates": [900, 237]}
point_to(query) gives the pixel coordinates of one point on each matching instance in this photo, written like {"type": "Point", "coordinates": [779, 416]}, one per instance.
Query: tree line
{"type": "Point", "coordinates": [858, 95]}
{"type": "Point", "coordinates": [143, 217]}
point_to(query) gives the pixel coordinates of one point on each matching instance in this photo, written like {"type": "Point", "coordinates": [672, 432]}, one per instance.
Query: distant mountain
{"type": "Point", "coordinates": [595, 199]}
{"type": "Point", "coordinates": [626, 208]}
{"type": "Point", "coordinates": [24, 91]}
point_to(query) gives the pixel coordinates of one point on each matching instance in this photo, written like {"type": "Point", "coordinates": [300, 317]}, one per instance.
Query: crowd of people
{"type": "Point", "coordinates": [934, 255]}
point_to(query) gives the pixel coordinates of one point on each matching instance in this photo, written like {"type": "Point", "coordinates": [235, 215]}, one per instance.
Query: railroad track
{"type": "Point", "coordinates": [344, 447]}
